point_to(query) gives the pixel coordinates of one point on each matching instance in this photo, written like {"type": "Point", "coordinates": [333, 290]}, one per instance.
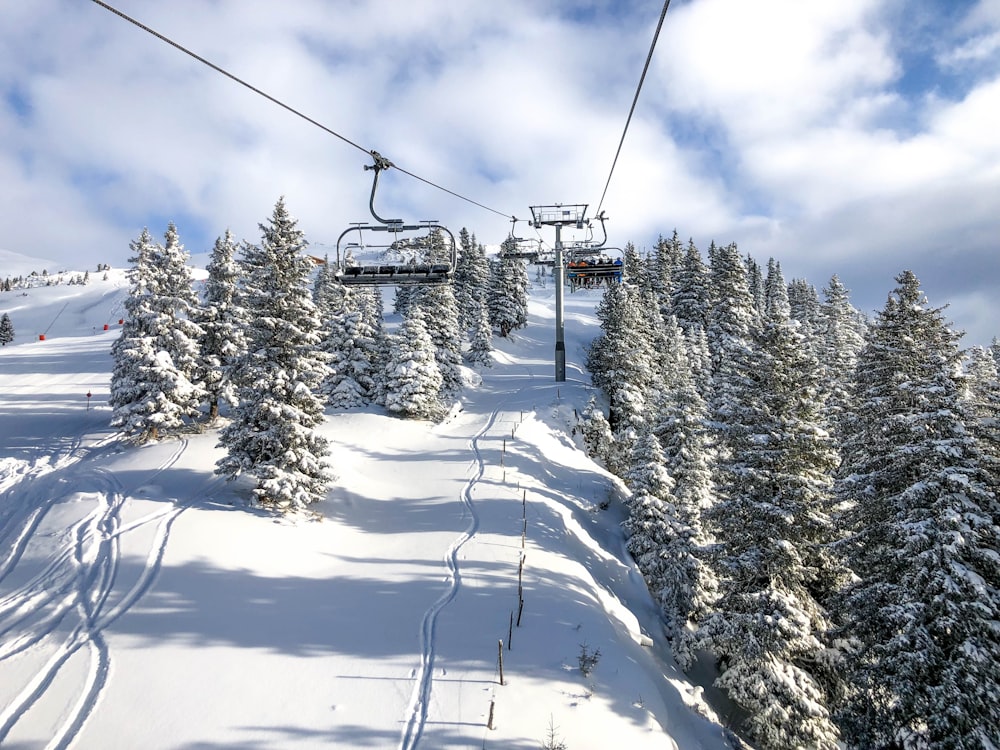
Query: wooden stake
{"type": "Point", "coordinates": [520, 588]}
{"type": "Point", "coordinates": [489, 722]}
{"type": "Point", "coordinates": [520, 608]}
{"type": "Point", "coordinates": [510, 630]}
{"type": "Point", "coordinates": [500, 659]}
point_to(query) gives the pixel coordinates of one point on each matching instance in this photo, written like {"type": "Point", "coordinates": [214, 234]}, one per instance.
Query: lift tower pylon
{"type": "Point", "coordinates": [559, 216]}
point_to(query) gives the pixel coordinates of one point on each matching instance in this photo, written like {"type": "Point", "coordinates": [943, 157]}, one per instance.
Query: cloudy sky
{"type": "Point", "coordinates": [857, 137]}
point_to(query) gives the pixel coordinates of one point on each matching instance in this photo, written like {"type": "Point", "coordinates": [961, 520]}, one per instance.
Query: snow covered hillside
{"type": "Point", "coordinates": [144, 604]}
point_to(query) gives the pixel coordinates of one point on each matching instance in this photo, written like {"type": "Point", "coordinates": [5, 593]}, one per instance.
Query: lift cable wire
{"type": "Point", "coordinates": [635, 100]}
{"type": "Point", "coordinates": [281, 104]}
{"type": "Point", "coordinates": [450, 192]}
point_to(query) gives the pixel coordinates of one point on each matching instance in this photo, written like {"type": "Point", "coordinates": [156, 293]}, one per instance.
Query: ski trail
{"type": "Point", "coordinates": [67, 605]}
{"type": "Point", "coordinates": [420, 698]}
{"type": "Point", "coordinates": [19, 520]}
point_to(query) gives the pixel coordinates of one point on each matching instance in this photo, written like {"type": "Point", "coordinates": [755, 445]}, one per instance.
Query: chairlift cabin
{"type": "Point", "coordinates": [428, 258]}
{"type": "Point", "coordinates": [527, 248]}
{"type": "Point", "coordinates": [592, 264]}
{"type": "Point", "coordinates": [519, 247]}
{"type": "Point", "coordinates": [588, 267]}
{"type": "Point", "coordinates": [546, 257]}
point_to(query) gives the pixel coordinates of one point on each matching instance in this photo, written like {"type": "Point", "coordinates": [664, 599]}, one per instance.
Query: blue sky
{"type": "Point", "coordinates": [855, 138]}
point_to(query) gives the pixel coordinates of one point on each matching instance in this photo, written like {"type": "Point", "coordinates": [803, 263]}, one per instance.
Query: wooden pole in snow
{"type": "Point", "coordinates": [500, 659]}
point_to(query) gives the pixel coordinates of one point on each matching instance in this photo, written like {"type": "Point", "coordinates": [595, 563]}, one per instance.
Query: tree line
{"type": "Point", "coordinates": [814, 496]}
{"type": "Point", "coordinates": [274, 340]}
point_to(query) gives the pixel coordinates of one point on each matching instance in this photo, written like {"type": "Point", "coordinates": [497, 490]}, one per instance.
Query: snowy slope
{"type": "Point", "coordinates": [143, 604]}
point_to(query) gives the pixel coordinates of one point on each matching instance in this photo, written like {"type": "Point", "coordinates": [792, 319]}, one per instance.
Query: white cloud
{"type": "Point", "coordinates": [979, 48]}
{"type": "Point", "coordinates": [782, 125]}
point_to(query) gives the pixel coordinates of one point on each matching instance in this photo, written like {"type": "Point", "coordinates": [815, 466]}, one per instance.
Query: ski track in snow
{"type": "Point", "coordinates": [420, 698]}
{"type": "Point", "coordinates": [68, 603]}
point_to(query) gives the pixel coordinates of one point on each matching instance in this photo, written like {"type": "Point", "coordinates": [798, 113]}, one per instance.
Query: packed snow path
{"type": "Point", "coordinates": [417, 709]}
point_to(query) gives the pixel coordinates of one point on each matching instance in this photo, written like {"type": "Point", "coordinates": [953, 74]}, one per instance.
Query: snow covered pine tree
{"type": "Point", "coordinates": [272, 434]}
{"type": "Point", "coordinates": [924, 650]}
{"type": "Point", "coordinates": [155, 353]}
{"type": "Point", "coordinates": [6, 330]}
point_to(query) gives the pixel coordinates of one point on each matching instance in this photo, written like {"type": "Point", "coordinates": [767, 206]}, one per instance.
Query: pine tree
{"type": "Point", "coordinates": [661, 267]}
{"type": "Point", "coordinates": [177, 302]}
{"type": "Point", "coordinates": [804, 302]}
{"type": "Point", "coordinates": [507, 298]}
{"type": "Point", "coordinates": [402, 298]}
{"type": "Point", "coordinates": [652, 525]}
{"type": "Point", "coordinates": [412, 377]}
{"type": "Point", "coordinates": [621, 362]}
{"type": "Point", "coordinates": [681, 429]}
{"type": "Point", "coordinates": [440, 314]}
{"type": "Point", "coordinates": [272, 436]}
{"type": "Point", "coordinates": [222, 320]}
{"type": "Point", "coordinates": [465, 282]}
{"type": "Point", "coordinates": [370, 335]}
{"type": "Point", "coordinates": [729, 333]}
{"type": "Point", "coordinates": [755, 280]}
{"type": "Point", "coordinates": [479, 281]}
{"type": "Point", "coordinates": [6, 330]}
{"type": "Point", "coordinates": [149, 392]}
{"type": "Point", "coordinates": [350, 380]}
{"type": "Point", "coordinates": [732, 315]}
{"type": "Point", "coordinates": [632, 265]}
{"type": "Point", "coordinates": [369, 339]}
{"type": "Point", "coordinates": [924, 664]}
{"type": "Point", "coordinates": [842, 332]}
{"type": "Point", "coordinates": [768, 626]}
{"type": "Point", "coordinates": [981, 401]}
{"type": "Point", "coordinates": [481, 348]}
{"type": "Point", "coordinates": [595, 431]}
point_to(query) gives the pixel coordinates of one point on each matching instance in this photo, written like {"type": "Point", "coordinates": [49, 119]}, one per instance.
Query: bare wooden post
{"type": "Point", "coordinates": [510, 630]}
{"type": "Point", "coordinates": [524, 532]}
{"type": "Point", "coordinates": [520, 608]}
{"type": "Point", "coordinates": [489, 722]}
{"type": "Point", "coordinates": [500, 659]}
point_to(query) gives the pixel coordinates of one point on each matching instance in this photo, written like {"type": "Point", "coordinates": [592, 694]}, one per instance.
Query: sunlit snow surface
{"type": "Point", "coordinates": [143, 604]}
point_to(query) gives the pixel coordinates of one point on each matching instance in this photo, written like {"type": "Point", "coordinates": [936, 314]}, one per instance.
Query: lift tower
{"type": "Point", "coordinates": [559, 216]}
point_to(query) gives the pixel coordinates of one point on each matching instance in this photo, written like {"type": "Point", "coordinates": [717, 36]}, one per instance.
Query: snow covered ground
{"type": "Point", "coordinates": [143, 604]}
